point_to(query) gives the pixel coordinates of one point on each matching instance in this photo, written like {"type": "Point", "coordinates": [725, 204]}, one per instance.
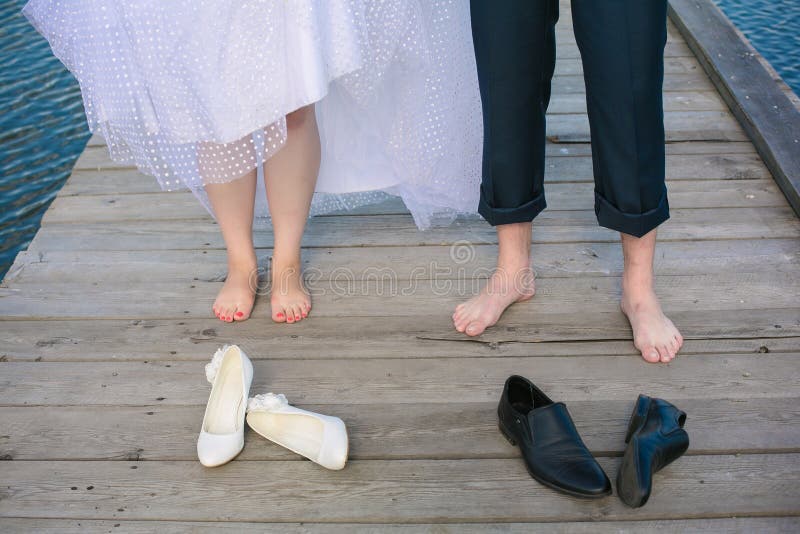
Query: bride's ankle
{"type": "Point", "coordinates": [242, 263]}
{"type": "Point", "coordinates": [285, 262]}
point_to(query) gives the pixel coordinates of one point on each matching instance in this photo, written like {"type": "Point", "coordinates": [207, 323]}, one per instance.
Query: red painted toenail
{"type": "Point", "coordinates": [279, 316]}
{"type": "Point", "coordinates": [239, 314]}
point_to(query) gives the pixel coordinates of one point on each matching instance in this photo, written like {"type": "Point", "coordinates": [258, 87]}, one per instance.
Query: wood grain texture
{"type": "Point", "coordinates": [737, 525]}
{"type": "Point", "coordinates": [399, 230]}
{"type": "Point", "coordinates": [391, 431]}
{"type": "Point", "coordinates": [550, 260]}
{"type": "Point", "coordinates": [560, 196]}
{"type": "Point", "coordinates": [96, 144]}
{"type": "Point", "coordinates": [404, 381]}
{"type": "Point", "coordinates": [600, 334]}
{"type": "Point", "coordinates": [347, 294]}
{"type": "Point", "coordinates": [694, 166]}
{"type": "Point", "coordinates": [384, 491]}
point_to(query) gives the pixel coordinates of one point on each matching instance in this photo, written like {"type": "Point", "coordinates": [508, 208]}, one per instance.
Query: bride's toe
{"type": "Point", "coordinates": [298, 315]}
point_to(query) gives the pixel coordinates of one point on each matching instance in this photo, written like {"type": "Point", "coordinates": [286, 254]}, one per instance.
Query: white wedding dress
{"type": "Point", "coordinates": [196, 91]}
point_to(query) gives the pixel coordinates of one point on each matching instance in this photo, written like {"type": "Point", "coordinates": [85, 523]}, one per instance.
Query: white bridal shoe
{"type": "Point", "coordinates": [222, 436]}
{"type": "Point", "coordinates": [320, 438]}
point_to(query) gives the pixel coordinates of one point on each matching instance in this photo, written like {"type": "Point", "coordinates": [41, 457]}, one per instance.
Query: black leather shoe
{"type": "Point", "coordinates": [655, 439]}
{"type": "Point", "coordinates": [553, 451]}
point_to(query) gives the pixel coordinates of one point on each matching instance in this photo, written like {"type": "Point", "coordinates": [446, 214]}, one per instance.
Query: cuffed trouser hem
{"type": "Point", "coordinates": [521, 214]}
{"type": "Point", "coordinates": [637, 224]}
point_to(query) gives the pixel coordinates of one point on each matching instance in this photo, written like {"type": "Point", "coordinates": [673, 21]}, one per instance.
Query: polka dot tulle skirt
{"type": "Point", "coordinates": [195, 92]}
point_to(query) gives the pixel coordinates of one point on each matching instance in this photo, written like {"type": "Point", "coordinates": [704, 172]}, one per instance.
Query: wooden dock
{"type": "Point", "coordinates": [105, 326]}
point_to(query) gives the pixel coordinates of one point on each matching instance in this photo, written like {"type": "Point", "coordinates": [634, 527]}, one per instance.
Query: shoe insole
{"type": "Point", "coordinates": [297, 432]}
{"type": "Point", "coordinates": [225, 404]}
{"type": "Point", "coordinates": [521, 406]}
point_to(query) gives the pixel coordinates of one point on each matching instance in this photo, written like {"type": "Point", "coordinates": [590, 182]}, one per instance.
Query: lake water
{"type": "Point", "coordinates": [43, 131]}
{"type": "Point", "coordinates": [773, 27]}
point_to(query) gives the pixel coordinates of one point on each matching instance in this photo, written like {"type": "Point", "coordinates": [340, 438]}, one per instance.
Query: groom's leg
{"type": "Point", "coordinates": [622, 47]}
{"type": "Point", "coordinates": [515, 51]}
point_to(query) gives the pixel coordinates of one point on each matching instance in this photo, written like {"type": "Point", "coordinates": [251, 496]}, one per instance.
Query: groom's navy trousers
{"type": "Point", "coordinates": [622, 49]}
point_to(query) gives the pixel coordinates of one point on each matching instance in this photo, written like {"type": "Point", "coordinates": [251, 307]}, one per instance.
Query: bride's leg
{"type": "Point", "coordinates": [233, 204]}
{"type": "Point", "coordinates": [290, 178]}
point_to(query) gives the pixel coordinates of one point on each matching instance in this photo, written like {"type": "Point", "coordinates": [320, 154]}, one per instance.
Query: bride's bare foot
{"type": "Point", "coordinates": [290, 300]}
{"type": "Point", "coordinates": [235, 299]}
{"type": "Point", "coordinates": [505, 287]}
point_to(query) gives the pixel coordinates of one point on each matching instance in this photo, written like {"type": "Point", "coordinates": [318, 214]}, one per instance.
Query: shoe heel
{"type": "Point", "coordinates": [638, 416]}
{"type": "Point", "coordinates": [506, 434]}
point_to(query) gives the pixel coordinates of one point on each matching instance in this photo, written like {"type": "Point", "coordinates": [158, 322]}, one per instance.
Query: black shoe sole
{"type": "Point", "coordinates": [506, 434]}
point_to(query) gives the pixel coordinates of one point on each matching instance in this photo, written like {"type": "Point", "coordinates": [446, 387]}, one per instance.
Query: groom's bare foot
{"type": "Point", "coordinates": [235, 299]}
{"type": "Point", "coordinates": [654, 335]}
{"type": "Point", "coordinates": [504, 288]}
{"type": "Point", "coordinates": [290, 301]}
{"type": "Point", "coordinates": [513, 281]}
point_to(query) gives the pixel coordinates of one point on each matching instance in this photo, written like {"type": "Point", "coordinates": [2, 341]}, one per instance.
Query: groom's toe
{"type": "Point", "coordinates": [475, 329]}
{"type": "Point", "coordinates": [650, 354]}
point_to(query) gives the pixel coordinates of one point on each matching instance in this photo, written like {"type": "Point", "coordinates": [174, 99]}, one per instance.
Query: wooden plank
{"type": "Point", "coordinates": [569, 50]}
{"type": "Point", "coordinates": [690, 81]}
{"type": "Point", "coordinates": [345, 294]}
{"type": "Point", "coordinates": [712, 166]}
{"type": "Point", "coordinates": [385, 491]}
{"type": "Point", "coordinates": [559, 169]}
{"type": "Point", "coordinates": [678, 100]}
{"type": "Point", "coordinates": [736, 525]}
{"type": "Point", "coordinates": [706, 332]}
{"type": "Point", "coordinates": [399, 230]}
{"type": "Point", "coordinates": [392, 432]}
{"type": "Point", "coordinates": [405, 381]}
{"type": "Point", "coordinates": [560, 196]}
{"type": "Point", "coordinates": [679, 126]}
{"type": "Point", "coordinates": [770, 119]}
{"type": "Point", "coordinates": [550, 260]}
{"type": "Point", "coordinates": [97, 157]}
{"type": "Point", "coordinates": [97, 145]}
{"type": "Point", "coordinates": [672, 65]}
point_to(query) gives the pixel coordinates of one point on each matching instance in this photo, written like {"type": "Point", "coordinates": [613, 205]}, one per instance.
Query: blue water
{"type": "Point", "coordinates": [43, 130]}
{"type": "Point", "coordinates": [773, 28]}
